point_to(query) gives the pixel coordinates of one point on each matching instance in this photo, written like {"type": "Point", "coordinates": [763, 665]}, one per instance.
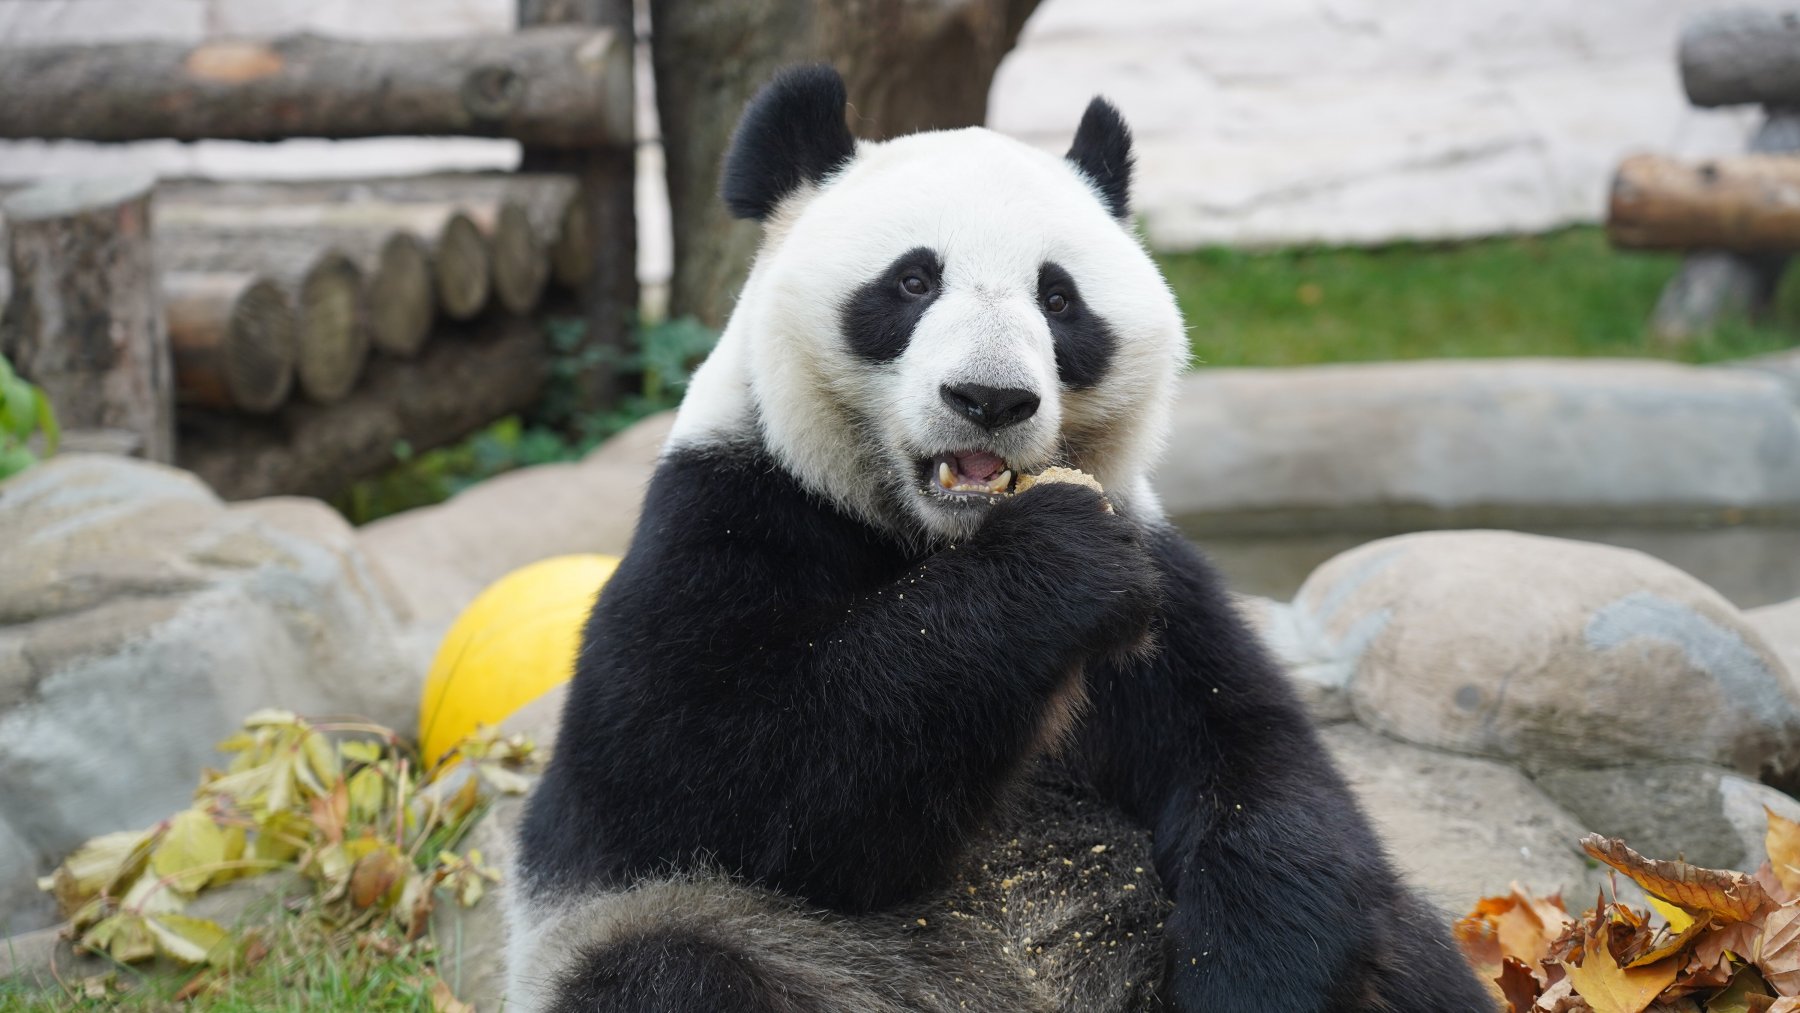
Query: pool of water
{"type": "Point", "coordinates": [1750, 564]}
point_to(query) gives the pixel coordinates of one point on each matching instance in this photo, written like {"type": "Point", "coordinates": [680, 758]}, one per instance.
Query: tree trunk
{"type": "Point", "coordinates": [459, 384]}
{"type": "Point", "coordinates": [1746, 204]}
{"type": "Point", "coordinates": [907, 66]}
{"type": "Point", "coordinates": [1740, 55]}
{"type": "Point", "coordinates": [1713, 285]}
{"type": "Point", "coordinates": [322, 283]}
{"type": "Point", "coordinates": [233, 340]}
{"type": "Point", "coordinates": [561, 88]}
{"type": "Point", "coordinates": [85, 318]}
{"type": "Point", "coordinates": [607, 179]}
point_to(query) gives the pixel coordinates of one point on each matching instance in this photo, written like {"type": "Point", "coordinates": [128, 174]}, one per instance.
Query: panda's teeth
{"type": "Point", "coordinates": [945, 476]}
{"type": "Point", "coordinates": [1001, 482]}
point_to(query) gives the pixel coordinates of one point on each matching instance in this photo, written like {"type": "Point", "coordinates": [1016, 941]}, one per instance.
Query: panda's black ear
{"type": "Point", "coordinates": [1102, 149]}
{"type": "Point", "coordinates": [792, 133]}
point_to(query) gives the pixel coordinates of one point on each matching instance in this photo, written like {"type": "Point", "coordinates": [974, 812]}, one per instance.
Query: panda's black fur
{"type": "Point", "coordinates": [812, 762]}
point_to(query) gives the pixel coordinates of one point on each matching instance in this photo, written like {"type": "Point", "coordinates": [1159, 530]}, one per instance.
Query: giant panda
{"type": "Point", "coordinates": [856, 726]}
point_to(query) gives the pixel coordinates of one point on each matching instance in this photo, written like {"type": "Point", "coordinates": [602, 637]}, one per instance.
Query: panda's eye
{"type": "Point", "coordinates": [912, 284]}
{"type": "Point", "coordinates": [1056, 302]}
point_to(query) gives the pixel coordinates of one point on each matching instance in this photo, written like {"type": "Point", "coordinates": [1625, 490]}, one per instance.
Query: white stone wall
{"type": "Point", "coordinates": [1356, 121]}
{"type": "Point", "coordinates": [1259, 121]}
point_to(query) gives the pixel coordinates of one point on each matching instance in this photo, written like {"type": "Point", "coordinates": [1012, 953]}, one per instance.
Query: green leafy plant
{"type": "Point", "coordinates": [348, 807]}
{"type": "Point", "coordinates": [24, 411]}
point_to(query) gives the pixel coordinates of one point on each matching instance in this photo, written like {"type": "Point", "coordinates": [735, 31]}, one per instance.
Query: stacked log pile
{"type": "Point", "coordinates": [1738, 218]}
{"type": "Point", "coordinates": [306, 329]}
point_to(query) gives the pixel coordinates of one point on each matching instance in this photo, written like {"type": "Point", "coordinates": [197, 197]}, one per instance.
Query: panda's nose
{"type": "Point", "coordinates": [991, 408]}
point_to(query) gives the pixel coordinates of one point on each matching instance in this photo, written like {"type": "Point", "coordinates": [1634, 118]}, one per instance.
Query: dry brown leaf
{"type": "Point", "coordinates": [1672, 943]}
{"type": "Point", "coordinates": [1738, 938]}
{"type": "Point", "coordinates": [1517, 985]}
{"type": "Point", "coordinates": [1783, 844]}
{"type": "Point", "coordinates": [374, 875]}
{"type": "Point", "coordinates": [1727, 896]}
{"type": "Point", "coordinates": [1787, 1004]}
{"type": "Point", "coordinates": [1560, 998]}
{"type": "Point", "coordinates": [1777, 952]}
{"type": "Point", "coordinates": [1480, 943]}
{"type": "Point", "coordinates": [1517, 925]}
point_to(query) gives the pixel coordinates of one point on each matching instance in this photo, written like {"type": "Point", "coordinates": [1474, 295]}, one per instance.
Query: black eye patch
{"type": "Point", "coordinates": [878, 318]}
{"type": "Point", "coordinates": [1084, 342]}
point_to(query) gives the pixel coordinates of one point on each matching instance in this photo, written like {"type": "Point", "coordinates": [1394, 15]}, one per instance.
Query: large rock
{"type": "Point", "coordinates": [141, 619]}
{"type": "Point", "coordinates": [1780, 626]}
{"type": "Point", "coordinates": [438, 558]}
{"type": "Point", "coordinates": [1701, 812]}
{"type": "Point", "coordinates": [1548, 652]}
{"type": "Point", "coordinates": [472, 940]}
{"type": "Point", "coordinates": [1461, 828]}
{"type": "Point", "coordinates": [1548, 441]}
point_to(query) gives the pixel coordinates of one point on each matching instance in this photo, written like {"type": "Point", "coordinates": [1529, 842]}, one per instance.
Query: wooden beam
{"type": "Point", "coordinates": [85, 317]}
{"type": "Point", "coordinates": [560, 88]}
{"type": "Point", "coordinates": [1744, 203]}
{"type": "Point", "coordinates": [1715, 285]}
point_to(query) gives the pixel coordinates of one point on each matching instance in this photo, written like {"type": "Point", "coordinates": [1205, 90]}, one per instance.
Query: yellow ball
{"type": "Point", "coordinates": [515, 642]}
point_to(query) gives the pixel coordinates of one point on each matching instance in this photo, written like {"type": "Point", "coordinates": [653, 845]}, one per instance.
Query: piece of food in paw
{"type": "Point", "coordinates": [1050, 476]}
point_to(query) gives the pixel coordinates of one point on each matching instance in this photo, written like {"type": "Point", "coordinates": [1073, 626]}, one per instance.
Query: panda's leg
{"type": "Point", "coordinates": [1283, 896]}
{"type": "Point", "coordinates": [708, 944]}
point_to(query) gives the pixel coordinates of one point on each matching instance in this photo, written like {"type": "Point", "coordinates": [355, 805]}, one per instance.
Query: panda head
{"type": "Point", "coordinates": [932, 315]}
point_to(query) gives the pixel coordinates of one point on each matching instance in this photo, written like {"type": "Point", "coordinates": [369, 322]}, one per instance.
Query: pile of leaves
{"type": "Point", "coordinates": [344, 806]}
{"type": "Point", "coordinates": [1716, 941]}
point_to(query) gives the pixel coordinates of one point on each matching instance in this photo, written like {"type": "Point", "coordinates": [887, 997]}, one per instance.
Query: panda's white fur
{"type": "Point", "coordinates": [996, 209]}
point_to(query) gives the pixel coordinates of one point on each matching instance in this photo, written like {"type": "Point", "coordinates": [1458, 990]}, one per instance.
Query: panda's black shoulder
{"type": "Point", "coordinates": [731, 503]}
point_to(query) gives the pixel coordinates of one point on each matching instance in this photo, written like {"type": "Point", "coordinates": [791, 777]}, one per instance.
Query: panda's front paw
{"type": "Point", "coordinates": [1089, 563]}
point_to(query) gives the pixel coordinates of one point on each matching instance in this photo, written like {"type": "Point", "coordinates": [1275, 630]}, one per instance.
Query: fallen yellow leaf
{"type": "Point", "coordinates": [1609, 988]}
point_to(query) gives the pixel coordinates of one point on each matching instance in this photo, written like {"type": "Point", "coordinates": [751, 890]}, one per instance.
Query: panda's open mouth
{"type": "Point", "coordinates": [968, 473]}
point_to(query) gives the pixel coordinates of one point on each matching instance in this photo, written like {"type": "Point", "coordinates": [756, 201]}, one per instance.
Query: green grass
{"type": "Point", "coordinates": [308, 969]}
{"type": "Point", "coordinates": [1565, 293]}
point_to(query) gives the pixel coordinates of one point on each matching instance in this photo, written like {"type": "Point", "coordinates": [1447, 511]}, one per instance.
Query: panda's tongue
{"type": "Point", "coordinates": [978, 465]}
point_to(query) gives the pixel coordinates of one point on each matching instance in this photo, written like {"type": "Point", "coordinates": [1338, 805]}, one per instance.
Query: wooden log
{"type": "Point", "coordinates": [85, 318]}
{"type": "Point", "coordinates": [233, 340]}
{"type": "Point", "coordinates": [560, 88]}
{"type": "Point", "coordinates": [323, 284]}
{"type": "Point", "coordinates": [396, 264]}
{"type": "Point", "coordinates": [1744, 203]}
{"type": "Point", "coordinates": [1740, 55]}
{"type": "Point", "coordinates": [1715, 285]}
{"type": "Point", "coordinates": [452, 238]}
{"type": "Point", "coordinates": [482, 372]}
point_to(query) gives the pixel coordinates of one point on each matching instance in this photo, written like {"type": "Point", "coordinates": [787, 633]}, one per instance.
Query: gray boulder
{"type": "Point", "coordinates": [141, 619]}
{"type": "Point", "coordinates": [1458, 827]}
{"type": "Point", "coordinates": [1703, 813]}
{"type": "Point", "coordinates": [1547, 652]}
{"type": "Point", "coordinates": [1780, 626]}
